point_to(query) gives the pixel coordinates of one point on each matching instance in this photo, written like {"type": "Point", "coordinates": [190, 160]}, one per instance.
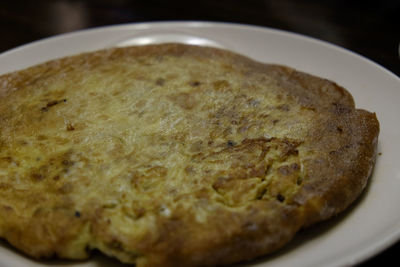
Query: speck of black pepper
{"type": "Point", "coordinates": [280, 198]}
{"type": "Point", "coordinates": [195, 83]}
{"type": "Point", "coordinates": [231, 143]}
{"type": "Point", "coordinates": [77, 214]}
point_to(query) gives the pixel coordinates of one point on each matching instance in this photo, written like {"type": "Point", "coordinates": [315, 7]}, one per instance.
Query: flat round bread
{"type": "Point", "coordinates": [174, 155]}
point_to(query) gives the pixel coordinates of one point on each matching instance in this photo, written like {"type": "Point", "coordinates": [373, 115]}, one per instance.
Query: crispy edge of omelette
{"type": "Point", "coordinates": [336, 175]}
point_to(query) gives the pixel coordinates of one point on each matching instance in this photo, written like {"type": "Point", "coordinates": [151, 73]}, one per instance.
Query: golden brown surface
{"type": "Point", "coordinates": [174, 155]}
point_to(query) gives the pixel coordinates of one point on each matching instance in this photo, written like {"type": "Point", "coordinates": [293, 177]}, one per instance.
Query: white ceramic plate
{"type": "Point", "coordinates": [370, 225]}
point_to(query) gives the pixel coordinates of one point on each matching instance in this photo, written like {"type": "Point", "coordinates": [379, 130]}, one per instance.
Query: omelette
{"type": "Point", "coordinates": [174, 155]}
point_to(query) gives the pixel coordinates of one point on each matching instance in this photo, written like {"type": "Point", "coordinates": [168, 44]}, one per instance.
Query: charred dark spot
{"type": "Point", "coordinates": [194, 83]}
{"type": "Point", "coordinates": [56, 178]}
{"type": "Point", "coordinates": [340, 130]}
{"type": "Point", "coordinates": [299, 180]}
{"type": "Point", "coordinates": [52, 103]}
{"type": "Point", "coordinates": [275, 121]}
{"type": "Point", "coordinates": [77, 214]}
{"type": "Point", "coordinates": [231, 143]}
{"type": "Point", "coordinates": [160, 81]}
{"type": "Point", "coordinates": [261, 194]}
{"type": "Point", "coordinates": [70, 127]}
{"type": "Point", "coordinates": [280, 198]}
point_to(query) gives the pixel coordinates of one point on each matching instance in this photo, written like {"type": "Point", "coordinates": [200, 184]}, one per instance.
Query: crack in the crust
{"type": "Point", "coordinates": [264, 190]}
{"type": "Point", "coordinates": [262, 193]}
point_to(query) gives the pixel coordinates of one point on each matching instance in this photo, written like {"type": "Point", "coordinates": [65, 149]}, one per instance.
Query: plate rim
{"type": "Point", "coordinates": [202, 23]}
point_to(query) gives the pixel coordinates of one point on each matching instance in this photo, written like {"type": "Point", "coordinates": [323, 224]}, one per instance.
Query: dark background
{"type": "Point", "coordinates": [369, 28]}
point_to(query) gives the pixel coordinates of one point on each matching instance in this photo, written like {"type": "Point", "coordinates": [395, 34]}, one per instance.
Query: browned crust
{"type": "Point", "coordinates": [337, 172]}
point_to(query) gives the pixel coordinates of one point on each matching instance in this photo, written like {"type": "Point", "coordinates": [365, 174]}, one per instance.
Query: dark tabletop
{"type": "Point", "coordinates": [369, 28]}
